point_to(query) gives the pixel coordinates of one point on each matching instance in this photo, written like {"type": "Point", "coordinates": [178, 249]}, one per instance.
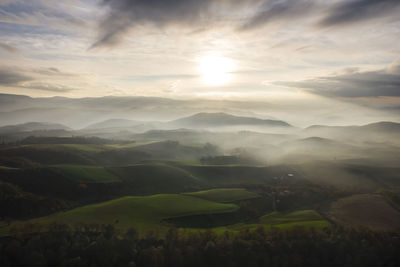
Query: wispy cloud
{"type": "Point", "coordinates": [52, 16]}
{"type": "Point", "coordinates": [348, 12]}
{"type": "Point", "coordinates": [29, 79]}
{"type": "Point", "coordinates": [125, 14]}
{"type": "Point", "coordinates": [12, 77]}
{"type": "Point", "coordinates": [51, 87]}
{"type": "Point", "coordinates": [280, 11]}
{"type": "Point", "coordinates": [8, 48]}
{"type": "Point", "coordinates": [354, 84]}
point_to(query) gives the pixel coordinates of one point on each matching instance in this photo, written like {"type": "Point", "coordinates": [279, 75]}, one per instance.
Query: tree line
{"type": "Point", "coordinates": [103, 245]}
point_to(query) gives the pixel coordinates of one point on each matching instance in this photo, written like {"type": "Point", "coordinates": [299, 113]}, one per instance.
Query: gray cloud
{"type": "Point", "coordinates": [354, 84]}
{"type": "Point", "coordinates": [14, 77]}
{"type": "Point", "coordinates": [279, 10]}
{"type": "Point", "coordinates": [52, 71]}
{"type": "Point", "coordinates": [125, 14]}
{"type": "Point", "coordinates": [10, 77]}
{"type": "Point", "coordinates": [354, 11]}
{"type": "Point", "coordinates": [51, 87]}
{"type": "Point", "coordinates": [8, 48]}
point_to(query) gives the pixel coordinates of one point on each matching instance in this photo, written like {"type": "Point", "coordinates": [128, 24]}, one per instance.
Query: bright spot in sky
{"type": "Point", "coordinates": [215, 69]}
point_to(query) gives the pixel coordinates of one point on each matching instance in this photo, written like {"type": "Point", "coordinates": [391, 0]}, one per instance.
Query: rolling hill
{"type": "Point", "coordinates": [112, 123]}
{"type": "Point", "coordinates": [144, 213]}
{"type": "Point", "coordinates": [366, 210]}
{"type": "Point", "coordinates": [155, 178]}
{"type": "Point", "coordinates": [224, 194]}
{"type": "Point", "coordinates": [32, 126]}
{"type": "Point", "coordinates": [374, 132]}
{"type": "Point", "coordinates": [211, 120]}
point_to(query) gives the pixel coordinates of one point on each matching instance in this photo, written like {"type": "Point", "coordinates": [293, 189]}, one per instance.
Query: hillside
{"type": "Point", "coordinates": [206, 120]}
{"type": "Point", "coordinates": [380, 132]}
{"type": "Point", "coordinates": [112, 123]}
{"type": "Point", "coordinates": [224, 194]}
{"type": "Point", "coordinates": [367, 210]}
{"type": "Point", "coordinates": [31, 126]}
{"type": "Point", "coordinates": [155, 178]}
{"type": "Point", "coordinates": [144, 213]}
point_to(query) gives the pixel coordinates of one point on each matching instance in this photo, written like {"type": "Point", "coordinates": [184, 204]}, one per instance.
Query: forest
{"type": "Point", "coordinates": [103, 245]}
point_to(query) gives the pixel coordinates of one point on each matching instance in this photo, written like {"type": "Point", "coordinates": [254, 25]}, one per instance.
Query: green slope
{"type": "Point", "coordinates": [144, 213]}
{"type": "Point", "coordinates": [51, 153]}
{"type": "Point", "coordinates": [307, 217]}
{"type": "Point", "coordinates": [156, 178]}
{"type": "Point", "coordinates": [302, 218]}
{"type": "Point", "coordinates": [224, 194]}
{"type": "Point", "coordinates": [85, 174]}
{"type": "Point", "coordinates": [132, 145]}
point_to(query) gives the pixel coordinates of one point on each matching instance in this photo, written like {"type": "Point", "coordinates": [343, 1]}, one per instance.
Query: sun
{"type": "Point", "coordinates": [215, 69]}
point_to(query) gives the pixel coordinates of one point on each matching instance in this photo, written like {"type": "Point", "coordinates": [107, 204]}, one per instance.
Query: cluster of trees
{"type": "Point", "coordinates": [393, 195]}
{"type": "Point", "coordinates": [293, 195]}
{"type": "Point", "coordinates": [17, 162]}
{"type": "Point", "coordinates": [95, 245]}
{"type": "Point", "coordinates": [17, 204]}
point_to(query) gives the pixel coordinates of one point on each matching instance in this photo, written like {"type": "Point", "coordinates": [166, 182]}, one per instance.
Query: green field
{"type": "Point", "coordinates": [82, 147]}
{"type": "Point", "coordinates": [147, 213]}
{"type": "Point", "coordinates": [7, 168]}
{"type": "Point", "coordinates": [144, 213]}
{"type": "Point", "coordinates": [132, 145]}
{"type": "Point", "coordinates": [85, 174]}
{"type": "Point", "coordinates": [86, 147]}
{"type": "Point", "coordinates": [155, 178]}
{"type": "Point", "coordinates": [224, 194]}
{"type": "Point", "coordinates": [303, 218]}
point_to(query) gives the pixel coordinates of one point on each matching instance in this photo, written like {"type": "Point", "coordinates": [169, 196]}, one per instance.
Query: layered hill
{"type": "Point", "coordinates": [207, 120]}
{"type": "Point", "coordinates": [31, 127]}
{"type": "Point", "coordinates": [374, 132]}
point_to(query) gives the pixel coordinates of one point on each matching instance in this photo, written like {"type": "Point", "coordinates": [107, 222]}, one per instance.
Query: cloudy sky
{"type": "Point", "coordinates": [307, 50]}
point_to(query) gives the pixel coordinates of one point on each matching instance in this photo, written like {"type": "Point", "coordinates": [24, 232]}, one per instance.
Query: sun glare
{"type": "Point", "coordinates": [216, 70]}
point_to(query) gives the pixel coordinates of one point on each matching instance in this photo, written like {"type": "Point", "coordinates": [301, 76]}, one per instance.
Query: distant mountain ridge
{"type": "Point", "coordinates": [374, 132]}
{"type": "Point", "coordinates": [376, 126]}
{"type": "Point", "coordinates": [383, 125]}
{"type": "Point", "coordinates": [223, 119]}
{"type": "Point", "coordinates": [32, 126]}
{"type": "Point", "coordinates": [113, 123]}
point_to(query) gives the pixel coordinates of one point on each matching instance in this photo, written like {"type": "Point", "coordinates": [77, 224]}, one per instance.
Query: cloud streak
{"type": "Point", "coordinates": [11, 77]}
{"type": "Point", "coordinates": [279, 11]}
{"type": "Point", "coordinates": [8, 48]}
{"type": "Point", "coordinates": [379, 83]}
{"type": "Point", "coordinates": [126, 14]}
{"type": "Point", "coordinates": [14, 77]}
{"type": "Point", "coordinates": [348, 12]}
{"type": "Point", "coordinates": [50, 87]}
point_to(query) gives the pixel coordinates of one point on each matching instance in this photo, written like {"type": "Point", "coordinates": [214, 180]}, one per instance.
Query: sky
{"type": "Point", "coordinates": [294, 51]}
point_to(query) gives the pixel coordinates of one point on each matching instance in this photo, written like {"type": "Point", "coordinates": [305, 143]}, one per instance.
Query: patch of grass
{"type": "Point", "coordinates": [7, 168]}
{"type": "Point", "coordinates": [366, 210]}
{"type": "Point", "coordinates": [50, 154]}
{"type": "Point", "coordinates": [144, 213]}
{"type": "Point", "coordinates": [188, 162]}
{"type": "Point", "coordinates": [155, 178]}
{"type": "Point", "coordinates": [303, 218]}
{"type": "Point", "coordinates": [85, 174]}
{"type": "Point", "coordinates": [132, 145]}
{"type": "Point", "coordinates": [296, 216]}
{"type": "Point", "coordinates": [227, 175]}
{"type": "Point", "coordinates": [224, 194]}
{"type": "Point", "coordinates": [90, 148]}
